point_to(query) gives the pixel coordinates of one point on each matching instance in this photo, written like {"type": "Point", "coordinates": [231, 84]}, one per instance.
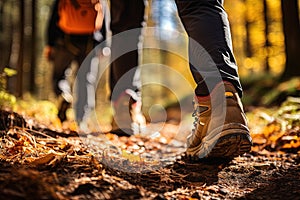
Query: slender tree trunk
{"type": "Point", "coordinates": [248, 47]}
{"type": "Point", "coordinates": [267, 42]}
{"type": "Point", "coordinates": [19, 83]}
{"type": "Point", "coordinates": [291, 29]}
{"type": "Point", "coordinates": [33, 46]}
{"type": "Point", "coordinates": [6, 28]}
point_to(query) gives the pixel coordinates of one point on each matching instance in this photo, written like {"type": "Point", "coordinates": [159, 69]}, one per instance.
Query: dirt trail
{"type": "Point", "coordinates": [40, 163]}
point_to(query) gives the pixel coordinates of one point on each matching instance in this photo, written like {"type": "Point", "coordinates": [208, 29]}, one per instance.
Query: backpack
{"type": "Point", "coordinates": [76, 16]}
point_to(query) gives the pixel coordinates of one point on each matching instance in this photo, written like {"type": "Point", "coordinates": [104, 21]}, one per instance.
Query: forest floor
{"type": "Point", "coordinates": [37, 162]}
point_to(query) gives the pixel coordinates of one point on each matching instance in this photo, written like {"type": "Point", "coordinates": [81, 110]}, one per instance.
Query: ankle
{"type": "Point", "coordinates": [207, 96]}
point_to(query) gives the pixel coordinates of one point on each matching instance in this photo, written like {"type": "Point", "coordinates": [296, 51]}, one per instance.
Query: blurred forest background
{"type": "Point", "coordinates": [265, 33]}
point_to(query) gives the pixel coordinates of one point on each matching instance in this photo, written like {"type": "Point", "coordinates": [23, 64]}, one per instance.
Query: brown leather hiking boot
{"type": "Point", "coordinates": [220, 127]}
{"type": "Point", "coordinates": [128, 118]}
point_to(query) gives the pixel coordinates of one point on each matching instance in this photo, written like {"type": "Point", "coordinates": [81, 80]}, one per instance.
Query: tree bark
{"type": "Point", "coordinates": [267, 42]}
{"type": "Point", "coordinates": [248, 45]}
{"type": "Point", "coordinates": [291, 29]}
{"type": "Point", "coordinates": [33, 46]}
{"type": "Point", "coordinates": [19, 85]}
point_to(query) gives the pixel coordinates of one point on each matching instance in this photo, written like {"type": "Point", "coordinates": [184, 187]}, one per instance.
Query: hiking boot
{"type": "Point", "coordinates": [220, 126]}
{"type": "Point", "coordinates": [62, 111]}
{"type": "Point", "coordinates": [128, 118]}
{"type": "Point", "coordinates": [66, 99]}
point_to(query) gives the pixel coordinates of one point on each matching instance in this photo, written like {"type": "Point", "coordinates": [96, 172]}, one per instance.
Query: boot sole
{"type": "Point", "coordinates": [231, 141]}
{"type": "Point", "coordinates": [232, 145]}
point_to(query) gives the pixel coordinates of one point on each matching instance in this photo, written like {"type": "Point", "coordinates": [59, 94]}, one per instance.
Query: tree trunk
{"type": "Point", "coordinates": [249, 52]}
{"type": "Point", "coordinates": [267, 42]}
{"type": "Point", "coordinates": [33, 46]}
{"type": "Point", "coordinates": [6, 29]}
{"type": "Point", "coordinates": [19, 85]}
{"type": "Point", "coordinates": [291, 29]}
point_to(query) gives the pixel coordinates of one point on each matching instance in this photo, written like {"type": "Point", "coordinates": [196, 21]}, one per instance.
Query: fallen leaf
{"type": "Point", "coordinates": [44, 159]}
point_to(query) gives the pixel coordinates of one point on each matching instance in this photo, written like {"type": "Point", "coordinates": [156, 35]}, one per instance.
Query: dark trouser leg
{"type": "Point", "coordinates": [125, 15]}
{"type": "Point", "coordinates": [62, 60]}
{"type": "Point", "coordinates": [220, 126]}
{"type": "Point", "coordinates": [206, 23]}
{"type": "Point", "coordinates": [85, 98]}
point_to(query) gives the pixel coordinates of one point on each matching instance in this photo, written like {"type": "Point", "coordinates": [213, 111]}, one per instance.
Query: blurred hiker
{"type": "Point", "coordinates": [124, 75]}
{"type": "Point", "coordinates": [70, 38]}
{"type": "Point", "coordinates": [220, 127]}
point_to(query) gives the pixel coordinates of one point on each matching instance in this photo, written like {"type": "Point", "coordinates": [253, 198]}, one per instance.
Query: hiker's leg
{"type": "Point", "coordinates": [85, 85]}
{"type": "Point", "coordinates": [220, 126]}
{"type": "Point", "coordinates": [62, 59]}
{"type": "Point", "coordinates": [125, 15]}
{"type": "Point", "coordinates": [126, 23]}
{"type": "Point", "coordinates": [206, 23]}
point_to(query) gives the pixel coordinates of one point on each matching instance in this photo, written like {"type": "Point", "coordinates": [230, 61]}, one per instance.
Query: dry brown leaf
{"type": "Point", "coordinates": [291, 145]}
{"type": "Point", "coordinates": [44, 159]}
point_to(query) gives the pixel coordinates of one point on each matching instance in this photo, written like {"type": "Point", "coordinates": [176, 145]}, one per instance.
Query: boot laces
{"type": "Point", "coordinates": [196, 114]}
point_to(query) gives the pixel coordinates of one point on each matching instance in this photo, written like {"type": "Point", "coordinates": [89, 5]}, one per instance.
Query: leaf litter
{"type": "Point", "coordinates": [41, 163]}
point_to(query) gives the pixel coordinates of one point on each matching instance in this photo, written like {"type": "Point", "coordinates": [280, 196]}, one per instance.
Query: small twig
{"type": "Point", "coordinates": [26, 134]}
{"type": "Point", "coordinates": [37, 132]}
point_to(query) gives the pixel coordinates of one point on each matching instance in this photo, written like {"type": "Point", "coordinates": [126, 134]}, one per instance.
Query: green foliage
{"type": "Point", "coordinates": [6, 99]}
{"type": "Point", "coordinates": [9, 72]}
{"type": "Point", "coordinates": [256, 87]}
{"type": "Point", "coordinates": [283, 90]}
{"type": "Point", "coordinates": [290, 112]}
{"type": "Point", "coordinates": [267, 90]}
